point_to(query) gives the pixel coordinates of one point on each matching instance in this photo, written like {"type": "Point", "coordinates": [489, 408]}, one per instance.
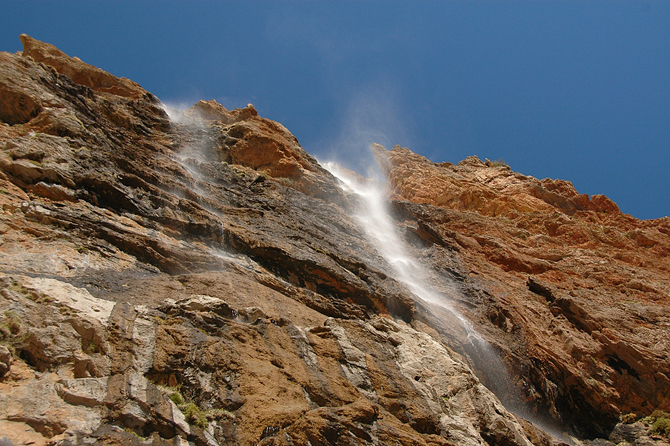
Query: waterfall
{"type": "Point", "coordinates": [383, 234]}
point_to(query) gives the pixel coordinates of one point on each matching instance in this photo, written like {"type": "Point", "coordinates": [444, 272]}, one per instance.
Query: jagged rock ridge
{"type": "Point", "coordinates": [202, 280]}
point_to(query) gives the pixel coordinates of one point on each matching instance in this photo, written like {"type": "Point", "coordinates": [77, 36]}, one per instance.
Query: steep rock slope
{"type": "Point", "coordinates": [581, 290]}
{"type": "Point", "coordinates": [200, 280]}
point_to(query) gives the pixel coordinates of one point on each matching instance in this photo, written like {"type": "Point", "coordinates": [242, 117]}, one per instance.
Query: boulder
{"type": "Point", "coordinates": [6, 360]}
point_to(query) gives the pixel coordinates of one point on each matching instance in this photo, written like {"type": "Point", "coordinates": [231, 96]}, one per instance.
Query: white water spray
{"type": "Point", "coordinates": [384, 235]}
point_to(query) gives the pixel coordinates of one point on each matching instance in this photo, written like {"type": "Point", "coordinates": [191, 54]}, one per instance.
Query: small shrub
{"type": "Point", "coordinates": [660, 414]}
{"type": "Point", "coordinates": [177, 398]}
{"type": "Point", "coordinates": [629, 418]}
{"type": "Point", "coordinates": [661, 426]}
{"type": "Point", "coordinates": [195, 415]}
{"type": "Point", "coordinates": [499, 163]}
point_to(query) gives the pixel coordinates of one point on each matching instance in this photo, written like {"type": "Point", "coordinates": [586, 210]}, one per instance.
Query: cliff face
{"type": "Point", "coordinates": [581, 289]}
{"type": "Point", "coordinates": [200, 278]}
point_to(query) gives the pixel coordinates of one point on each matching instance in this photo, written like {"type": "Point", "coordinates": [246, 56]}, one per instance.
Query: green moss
{"type": "Point", "coordinates": [130, 431]}
{"type": "Point", "coordinates": [629, 418]}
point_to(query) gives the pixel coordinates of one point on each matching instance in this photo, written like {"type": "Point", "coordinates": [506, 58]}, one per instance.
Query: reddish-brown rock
{"type": "Point", "coordinates": [583, 289]}
{"type": "Point", "coordinates": [204, 280]}
{"type": "Point", "coordinates": [213, 111]}
{"type": "Point", "coordinates": [200, 281]}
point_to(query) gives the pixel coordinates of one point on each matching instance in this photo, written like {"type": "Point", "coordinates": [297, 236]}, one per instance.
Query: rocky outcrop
{"type": "Point", "coordinates": [578, 290]}
{"type": "Point", "coordinates": [201, 279]}
{"type": "Point", "coordinates": [488, 188]}
{"type": "Point", "coordinates": [78, 71]}
{"type": "Point", "coordinates": [200, 369]}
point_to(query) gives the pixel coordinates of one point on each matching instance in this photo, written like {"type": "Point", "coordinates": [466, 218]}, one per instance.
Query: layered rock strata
{"type": "Point", "coordinates": [201, 280]}
{"type": "Point", "coordinates": [579, 291]}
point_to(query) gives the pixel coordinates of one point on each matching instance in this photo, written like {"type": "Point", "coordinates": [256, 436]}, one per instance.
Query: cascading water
{"type": "Point", "coordinates": [190, 157]}
{"type": "Point", "coordinates": [384, 235]}
{"type": "Point", "coordinates": [382, 232]}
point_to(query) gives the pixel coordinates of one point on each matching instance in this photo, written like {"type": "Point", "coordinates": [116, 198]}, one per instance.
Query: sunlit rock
{"type": "Point", "coordinates": [206, 281]}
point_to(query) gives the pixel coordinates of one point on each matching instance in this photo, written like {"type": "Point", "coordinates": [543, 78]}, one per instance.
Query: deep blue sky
{"type": "Point", "coordinates": [577, 90]}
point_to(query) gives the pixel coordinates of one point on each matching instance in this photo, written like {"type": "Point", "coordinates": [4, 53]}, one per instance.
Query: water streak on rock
{"type": "Point", "coordinates": [383, 233]}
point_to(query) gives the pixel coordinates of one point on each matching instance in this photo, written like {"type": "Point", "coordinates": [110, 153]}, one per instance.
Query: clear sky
{"type": "Point", "coordinates": [577, 90]}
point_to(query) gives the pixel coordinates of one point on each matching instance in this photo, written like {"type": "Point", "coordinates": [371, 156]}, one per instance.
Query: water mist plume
{"type": "Point", "coordinates": [382, 232]}
{"type": "Point", "coordinates": [371, 114]}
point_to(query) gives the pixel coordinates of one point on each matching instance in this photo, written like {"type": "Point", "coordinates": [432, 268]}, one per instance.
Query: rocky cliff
{"type": "Point", "coordinates": [197, 277]}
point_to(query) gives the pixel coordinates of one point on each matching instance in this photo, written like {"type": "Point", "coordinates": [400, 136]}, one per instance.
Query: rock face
{"type": "Point", "coordinates": [78, 71]}
{"type": "Point", "coordinates": [200, 279]}
{"type": "Point", "coordinates": [581, 289]}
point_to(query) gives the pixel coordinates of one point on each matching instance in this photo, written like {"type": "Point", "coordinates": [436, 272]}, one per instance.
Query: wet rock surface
{"type": "Point", "coordinates": [201, 280]}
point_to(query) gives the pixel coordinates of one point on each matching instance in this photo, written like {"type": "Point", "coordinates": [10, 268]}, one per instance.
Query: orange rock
{"type": "Point", "coordinates": [607, 272]}
{"type": "Point", "coordinates": [80, 72]}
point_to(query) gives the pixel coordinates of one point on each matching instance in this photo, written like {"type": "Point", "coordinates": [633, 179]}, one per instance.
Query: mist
{"type": "Point", "coordinates": [371, 115]}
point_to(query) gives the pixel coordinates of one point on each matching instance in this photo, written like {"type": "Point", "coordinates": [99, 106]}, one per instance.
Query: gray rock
{"type": "Point", "coordinates": [599, 442]}
{"type": "Point", "coordinates": [252, 314]}
{"type": "Point", "coordinates": [84, 391]}
{"type": "Point", "coordinates": [5, 360]}
{"type": "Point", "coordinates": [628, 432]}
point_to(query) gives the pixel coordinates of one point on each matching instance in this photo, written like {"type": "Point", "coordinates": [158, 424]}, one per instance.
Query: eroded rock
{"type": "Point", "coordinates": [203, 282]}
{"type": "Point", "coordinates": [80, 72]}
{"type": "Point", "coordinates": [559, 270]}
